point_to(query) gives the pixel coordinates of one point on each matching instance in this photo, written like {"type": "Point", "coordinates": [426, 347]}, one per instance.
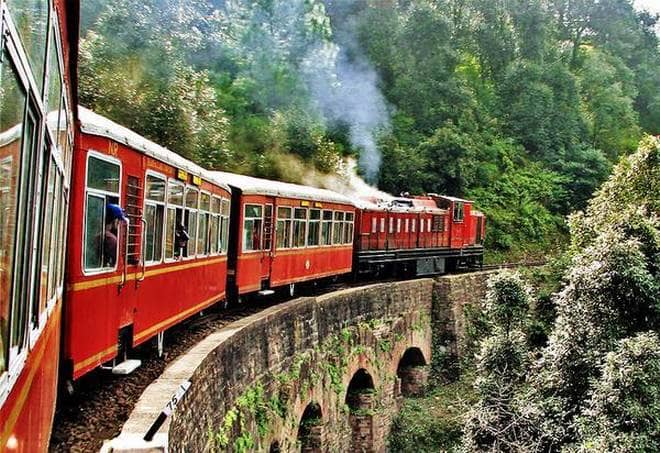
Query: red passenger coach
{"type": "Point", "coordinates": [131, 277]}
{"type": "Point", "coordinates": [286, 234]}
{"type": "Point", "coordinates": [38, 54]}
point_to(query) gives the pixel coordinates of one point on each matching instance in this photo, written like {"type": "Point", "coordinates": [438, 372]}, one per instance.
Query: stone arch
{"type": "Point", "coordinates": [310, 429]}
{"type": "Point", "coordinates": [360, 402]}
{"type": "Point", "coordinates": [412, 372]}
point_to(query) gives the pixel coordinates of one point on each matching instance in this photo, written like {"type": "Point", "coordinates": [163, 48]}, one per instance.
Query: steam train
{"type": "Point", "coordinates": [108, 239]}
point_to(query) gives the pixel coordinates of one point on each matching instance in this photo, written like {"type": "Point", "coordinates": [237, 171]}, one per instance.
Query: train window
{"type": "Point", "coordinates": [54, 99]}
{"type": "Point", "coordinates": [252, 225]}
{"type": "Point", "coordinates": [414, 225]}
{"type": "Point", "coordinates": [374, 224]}
{"type": "Point", "coordinates": [299, 227]}
{"type": "Point", "coordinates": [101, 222]}
{"type": "Point", "coordinates": [382, 224]}
{"type": "Point", "coordinates": [314, 228]}
{"type": "Point", "coordinates": [31, 19]}
{"type": "Point", "coordinates": [224, 226]}
{"type": "Point", "coordinates": [348, 227]}
{"type": "Point", "coordinates": [438, 223]}
{"type": "Point", "coordinates": [215, 224]}
{"type": "Point", "coordinates": [391, 225]}
{"type": "Point", "coordinates": [154, 214]}
{"type": "Point", "coordinates": [458, 211]}
{"type": "Point", "coordinates": [174, 220]}
{"type": "Point", "coordinates": [12, 106]}
{"type": "Point", "coordinates": [338, 228]}
{"type": "Point", "coordinates": [190, 220]}
{"type": "Point", "coordinates": [52, 280]}
{"type": "Point", "coordinates": [204, 224]}
{"type": "Point", "coordinates": [49, 164]}
{"type": "Point", "coordinates": [406, 226]}
{"type": "Point", "coordinates": [422, 222]}
{"type": "Point", "coordinates": [284, 225]}
{"type": "Point", "coordinates": [398, 225]}
{"type": "Point", "coordinates": [326, 228]}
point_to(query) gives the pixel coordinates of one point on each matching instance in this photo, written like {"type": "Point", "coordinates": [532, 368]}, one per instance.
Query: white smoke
{"type": "Point", "coordinates": [347, 182]}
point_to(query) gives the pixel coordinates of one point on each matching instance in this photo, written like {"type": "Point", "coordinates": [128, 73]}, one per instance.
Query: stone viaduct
{"type": "Point", "coordinates": [318, 374]}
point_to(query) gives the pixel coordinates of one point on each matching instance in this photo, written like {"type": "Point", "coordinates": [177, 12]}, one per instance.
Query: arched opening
{"type": "Point", "coordinates": [360, 402]}
{"type": "Point", "coordinates": [274, 447]}
{"type": "Point", "coordinates": [310, 430]}
{"type": "Point", "coordinates": [412, 372]}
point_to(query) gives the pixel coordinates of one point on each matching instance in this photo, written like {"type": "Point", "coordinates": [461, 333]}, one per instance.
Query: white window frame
{"type": "Point", "coordinates": [156, 204]}
{"type": "Point", "coordinates": [112, 160]}
{"type": "Point", "coordinates": [289, 244]}
{"type": "Point", "coordinates": [168, 206]}
{"type": "Point", "coordinates": [259, 250]}
{"type": "Point", "coordinates": [193, 210]}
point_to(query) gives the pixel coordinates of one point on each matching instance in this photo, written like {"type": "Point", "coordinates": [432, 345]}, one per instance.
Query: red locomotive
{"type": "Point", "coordinates": [37, 94]}
{"type": "Point", "coordinates": [421, 235]}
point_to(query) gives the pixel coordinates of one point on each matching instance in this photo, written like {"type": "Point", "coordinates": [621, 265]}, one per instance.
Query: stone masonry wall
{"type": "Point", "coordinates": [253, 380]}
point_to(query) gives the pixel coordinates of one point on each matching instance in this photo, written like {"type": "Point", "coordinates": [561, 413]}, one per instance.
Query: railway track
{"type": "Point", "coordinates": [102, 402]}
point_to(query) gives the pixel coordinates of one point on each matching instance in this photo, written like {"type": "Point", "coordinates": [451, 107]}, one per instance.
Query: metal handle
{"type": "Point", "coordinates": [124, 271]}
{"type": "Point", "coordinates": [142, 258]}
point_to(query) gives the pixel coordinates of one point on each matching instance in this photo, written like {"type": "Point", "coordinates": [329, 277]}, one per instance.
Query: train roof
{"type": "Point", "coordinates": [95, 124]}
{"type": "Point", "coordinates": [448, 198]}
{"type": "Point", "coordinates": [259, 186]}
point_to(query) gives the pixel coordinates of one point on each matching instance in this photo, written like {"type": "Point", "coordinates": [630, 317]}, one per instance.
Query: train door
{"type": "Point", "coordinates": [267, 245]}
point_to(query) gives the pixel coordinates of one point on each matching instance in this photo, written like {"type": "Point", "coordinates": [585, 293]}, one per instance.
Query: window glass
{"type": "Point", "coordinates": [175, 195]}
{"type": "Point", "coordinates": [326, 228]}
{"type": "Point", "coordinates": [252, 227]}
{"type": "Point", "coordinates": [458, 211]}
{"type": "Point", "coordinates": [101, 225]}
{"type": "Point", "coordinates": [31, 19]}
{"type": "Point", "coordinates": [192, 197]}
{"type": "Point", "coordinates": [94, 218]}
{"type": "Point", "coordinates": [283, 227]}
{"type": "Point", "coordinates": [170, 231]}
{"type": "Point", "coordinates": [299, 227]}
{"type": "Point", "coordinates": [155, 188]}
{"type": "Point", "coordinates": [102, 175]}
{"type": "Point", "coordinates": [428, 225]}
{"type": "Point", "coordinates": [414, 225]}
{"type": "Point", "coordinates": [205, 202]}
{"type": "Point", "coordinates": [202, 233]}
{"type": "Point", "coordinates": [54, 90]}
{"type": "Point", "coordinates": [338, 228]}
{"type": "Point", "coordinates": [398, 225]}
{"type": "Point", "coordinates": [382, 224]}
{"type": "Point", "coordinates": [348, 228]}
{"type": "Point", "coordinates": [421, 225]}
{"type": "Point", "coordinates": [215, 205]}
{"type": "Point", "coordinates": [314, 228]}
{"type": "Point", "coordinates": [12, 107]}
{"type": "Point", "coordinates": [52, 281]}
{"type": "Point", "coordinates": [407, 226]}
{"type": "Point", "coordinates": [155, 217]}
{"type": "Point", "coordinates": [48, 219]}
{"type": "Point", "coordinates": [225, 207]}
{"type": "Point", "coordinates": [391, 225]}
{"type": "Point", "coordinates": [374, 224]}
{"type": "Point", "coordinates": [215, 230]}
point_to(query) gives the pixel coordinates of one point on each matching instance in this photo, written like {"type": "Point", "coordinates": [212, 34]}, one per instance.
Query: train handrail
{"type": "Point", "coordinates": [124, 273]}
{"type": "Point", "coordinates": [142, 258]}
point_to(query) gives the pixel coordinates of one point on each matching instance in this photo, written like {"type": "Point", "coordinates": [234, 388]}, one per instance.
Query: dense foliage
{"type": "Point", "coordinates": [595, 385]}
{"type": "Point", "coordinates": [521, 105]}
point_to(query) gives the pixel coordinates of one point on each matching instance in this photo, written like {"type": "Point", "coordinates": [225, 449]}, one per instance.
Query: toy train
{"type": "Point", "coordinates": [108, 239]}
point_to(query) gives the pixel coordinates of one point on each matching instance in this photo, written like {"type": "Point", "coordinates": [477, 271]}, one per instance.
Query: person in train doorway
{"type": "Point", "coordinates": [114, 214]}
{"type": "Point", "coordinates": [181, 237]}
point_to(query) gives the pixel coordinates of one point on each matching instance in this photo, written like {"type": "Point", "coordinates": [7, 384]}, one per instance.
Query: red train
{"type": "Point", "coordinates": [153, 238]}
{"type": "Point", "coordinates": [39, 42]}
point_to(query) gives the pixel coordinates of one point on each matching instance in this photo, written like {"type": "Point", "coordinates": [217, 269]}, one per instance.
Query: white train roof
{"type": "Point", "coordinates": [95, 124]}
{"type": "Point", "coordinates": [257, 186]}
